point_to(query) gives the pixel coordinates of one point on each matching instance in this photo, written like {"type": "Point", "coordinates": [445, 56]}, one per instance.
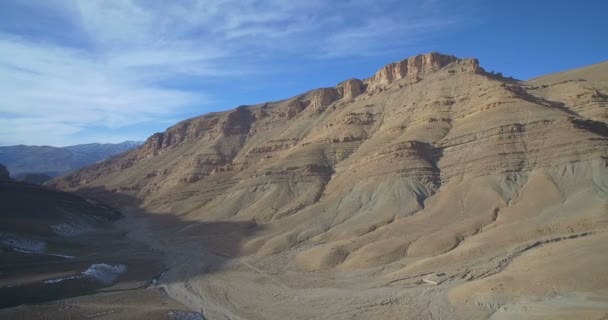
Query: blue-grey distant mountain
{"type": "Point", "coordinates": [33, 178]}
{"type": "Point", "coordinates": [21, 160]}
{"type": "Point", "coordinates": [4, 174]}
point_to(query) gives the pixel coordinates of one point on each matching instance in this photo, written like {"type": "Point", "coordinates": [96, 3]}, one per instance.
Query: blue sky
{"type": "Point", "coordinates": [79, 71]}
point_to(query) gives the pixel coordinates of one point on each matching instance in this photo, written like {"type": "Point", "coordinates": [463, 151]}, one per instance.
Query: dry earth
{"type": "Point", "coordinates": [339, 203]}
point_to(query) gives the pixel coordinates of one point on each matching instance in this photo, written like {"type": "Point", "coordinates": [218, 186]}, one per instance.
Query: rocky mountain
{"type": "Point", "coordinates": [430, 172]}
{"type": "Point", "coordinates": [54, 161]}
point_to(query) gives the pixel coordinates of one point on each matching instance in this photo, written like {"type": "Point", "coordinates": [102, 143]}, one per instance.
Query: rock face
{"type": "Point", "coordinates": [321, 98]}
{"type": "Point", "coordinates": [429, 165]}
{"type": "Point", "coordinates": [350, 88]}
{"type": "Point", "coordinates": [415, 68]}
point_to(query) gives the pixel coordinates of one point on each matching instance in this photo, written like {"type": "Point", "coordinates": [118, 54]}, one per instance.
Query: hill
{"type": "Point", "coordinates": [431, 173]}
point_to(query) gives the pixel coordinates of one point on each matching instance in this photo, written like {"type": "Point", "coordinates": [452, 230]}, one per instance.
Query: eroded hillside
{"type": "Point", "coordinates": [362, 190]}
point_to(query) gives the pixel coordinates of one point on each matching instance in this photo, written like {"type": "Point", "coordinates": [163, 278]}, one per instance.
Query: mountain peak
{"type": "Point", "coordinates": [414, 68]}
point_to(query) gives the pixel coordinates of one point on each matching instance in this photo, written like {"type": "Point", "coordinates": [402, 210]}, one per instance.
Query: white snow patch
{"type": "Point", "coordinates": [22, 244]}
{"type": "Point", "coordinates": [62, 279]}
{"type": "Point", "coordinates": [105, 273]}
{"type": "Point", "coordinates": [61, 255]}
{"type": "Point", "coordinates": [102, 272]}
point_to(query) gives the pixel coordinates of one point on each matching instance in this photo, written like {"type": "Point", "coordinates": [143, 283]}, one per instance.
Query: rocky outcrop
{"type": "Point", "coordinates": [350, 88]}
{"type": "Point", "coordinates": [291, 108]}
{"type": "Point", "coordinates": [321, 98]}
{"type": "Point", "coordinates": [389, 73]}
{"type": "Point", "coordinates": [415, 68]}
{"type": "Point", "coordinates": [410, 68]}
{"type": "Point", "coordinates": [422, 64]}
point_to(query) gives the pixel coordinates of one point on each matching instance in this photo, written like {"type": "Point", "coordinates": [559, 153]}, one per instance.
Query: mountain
{"type": "Point", "coordinates": [4, 174]}
{"type": "Point", "coordinates": [54, 161]}
{"type": "Point", "coordinates": [431, 190]}
{"type": "Point", "coordinates": [33, 178]}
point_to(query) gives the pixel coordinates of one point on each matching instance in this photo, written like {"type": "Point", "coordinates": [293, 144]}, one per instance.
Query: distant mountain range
{"type": "Point", "coordinates": [23, 161]}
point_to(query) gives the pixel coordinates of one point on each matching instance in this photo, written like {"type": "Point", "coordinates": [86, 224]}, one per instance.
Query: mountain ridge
{"type": "Point", "coordinates": [24, 159]}
{"type": "Point", "coordinates": [320, 97]}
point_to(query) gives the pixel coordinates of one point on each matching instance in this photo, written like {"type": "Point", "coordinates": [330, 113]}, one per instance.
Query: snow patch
{"type": "Point", "coordinates": [22, 244]}
{"type": "Point", "coordinates": [102, 272]}
{"type": "Point", "coordinates": [62, 279]}
{"type": "Point", "coordinates": [27, 245]}
{"type": "Point", "coordinates": [105, 273]}
{"type": "Point", "coordinates": [61, 255]}
{"type": "Point", "coordinates": [70, 230]}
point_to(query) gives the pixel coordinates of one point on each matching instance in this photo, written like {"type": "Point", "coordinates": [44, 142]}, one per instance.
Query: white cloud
{"type": "Point", "coordinates": [61, 84]}
{"type": "Point", "coordinates": [25, 130]}
{"type": "Point", "coordinates": [128, 48]}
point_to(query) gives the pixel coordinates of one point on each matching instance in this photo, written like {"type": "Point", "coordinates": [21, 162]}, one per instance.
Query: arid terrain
{"type": "Point", "coordinates": [431, 190]}
{"type": "Point", "coordinates": [65, 257]}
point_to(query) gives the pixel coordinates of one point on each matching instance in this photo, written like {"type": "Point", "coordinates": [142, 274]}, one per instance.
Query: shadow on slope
{"type": "Point", "coordinates": [56, 245]}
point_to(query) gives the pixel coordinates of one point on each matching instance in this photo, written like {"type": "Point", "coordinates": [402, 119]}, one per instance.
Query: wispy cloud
{"type": "Point", "coordinates": [68, 65]}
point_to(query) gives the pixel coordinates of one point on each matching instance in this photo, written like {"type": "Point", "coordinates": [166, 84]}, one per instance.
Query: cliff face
{"type": "Point", "coordinates": [415, 68]}
{"type": "Point", "coordinates": [246, 121]}
{"type": "Point", "coordinates": [431, 160]}
{"type": "Point", "coordinates": [448, 105]}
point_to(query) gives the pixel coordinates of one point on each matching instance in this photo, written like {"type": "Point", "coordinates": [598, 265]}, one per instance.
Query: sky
{"type": "Point", "coordinates": [81, 71]}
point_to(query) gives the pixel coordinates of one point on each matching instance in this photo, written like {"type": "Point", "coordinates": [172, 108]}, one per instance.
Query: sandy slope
{"type": "Point", "coordinates": [340, 202]}
{"type": "Point", "coordinates": [508, 269]}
